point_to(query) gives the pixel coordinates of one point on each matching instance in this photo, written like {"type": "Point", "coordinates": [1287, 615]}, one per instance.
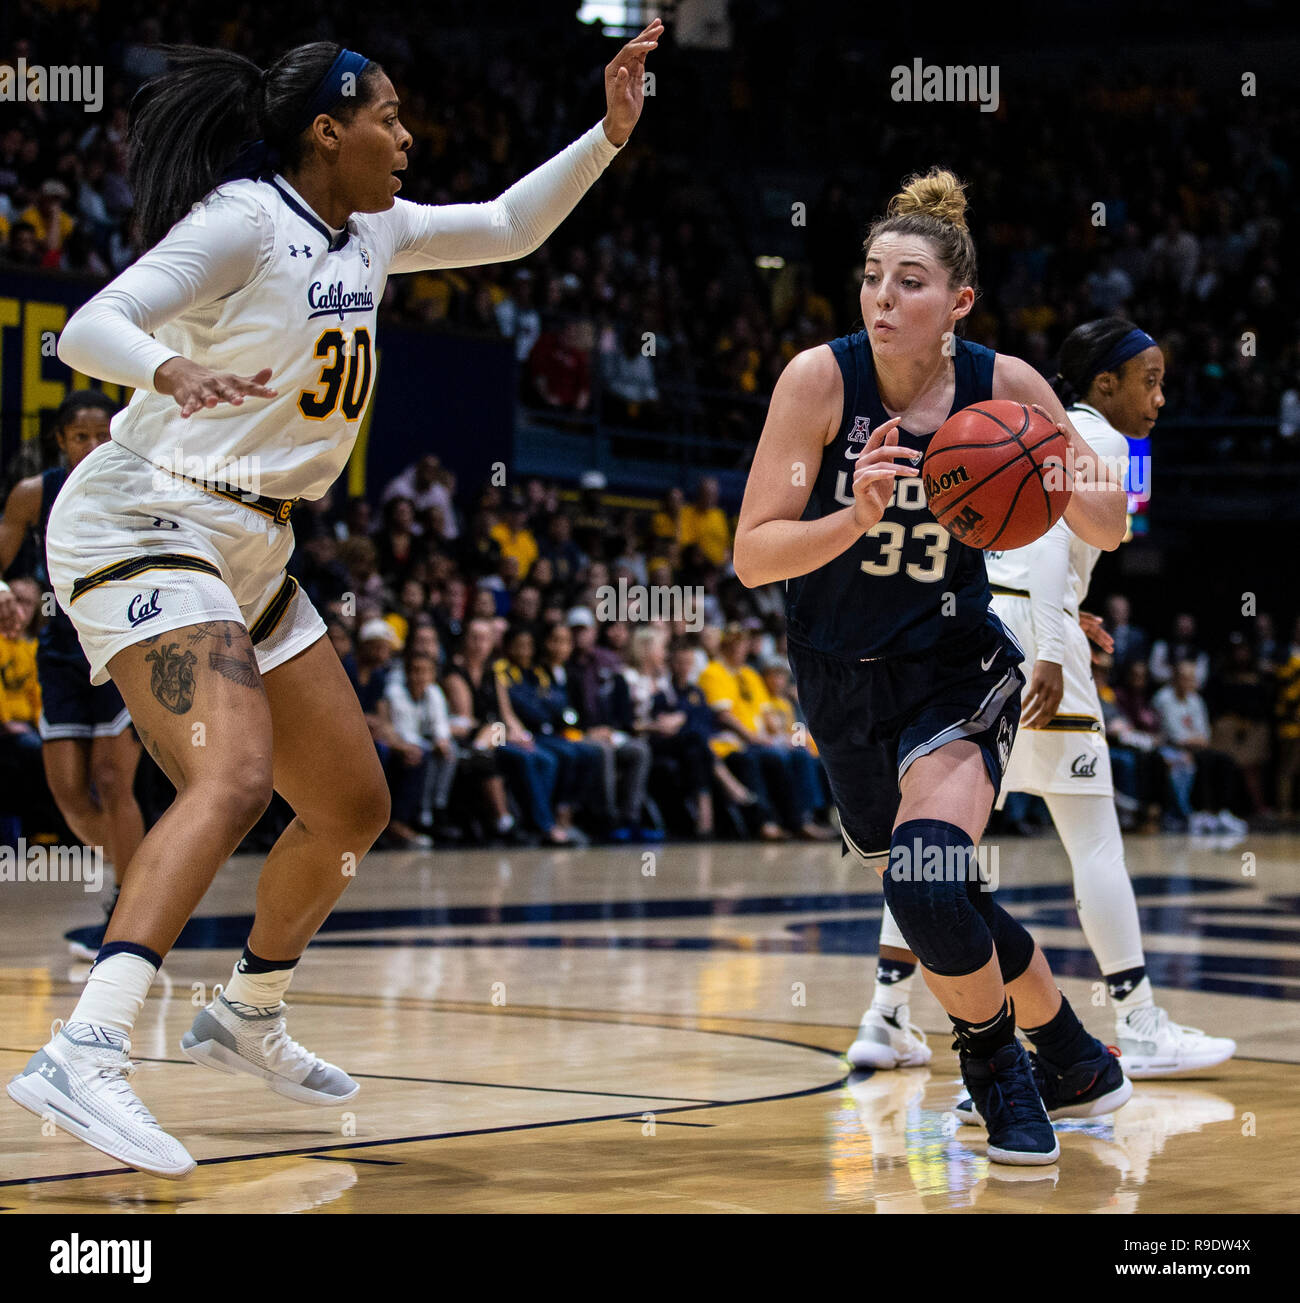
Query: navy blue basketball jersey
{"type": "Point", "coordinates": [58, 637]}
{"type": "Point", "coordinates": [906, 584]}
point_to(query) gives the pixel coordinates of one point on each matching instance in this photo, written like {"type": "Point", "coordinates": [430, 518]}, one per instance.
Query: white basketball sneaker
{"type": "Point", "coordinates": [79, 1082]}
{"type": "Point", "coordinates": [888, 1040]}
{"type": "Point", "coordinates": [1150, 1045]}
{"type": "Point", "coordinates": [246, 1039]}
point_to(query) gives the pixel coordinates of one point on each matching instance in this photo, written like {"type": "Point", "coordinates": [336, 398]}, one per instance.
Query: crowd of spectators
{"type": "Point", "coordinates": [537, 666]}
{"type": "Point", "coordinates": [505, 694]}
{"type": "Point", "coordinates": [646, 308]}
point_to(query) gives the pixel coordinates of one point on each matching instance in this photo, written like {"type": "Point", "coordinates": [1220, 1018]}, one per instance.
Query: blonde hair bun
{"type": "Point", "coordinates": [938, 194]}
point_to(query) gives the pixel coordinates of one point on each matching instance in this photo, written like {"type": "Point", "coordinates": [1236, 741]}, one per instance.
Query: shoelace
{"type": "Point", "coordinates": [904, 1025]}
{"type": "Point", "coordinates": [1015, 1091]}
{"type": "Point", "coordinates": [1150, 1022]}
{"type": "Point", "coordinates": [283, 1052]}
{"type": "Point", "coordinates": [911, 1029]}
{"type": "Point", "coordinates": [116, 1083]}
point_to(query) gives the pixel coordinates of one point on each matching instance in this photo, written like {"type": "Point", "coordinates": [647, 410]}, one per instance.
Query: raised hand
{"type": "Point", "coordinates": [625, 84]}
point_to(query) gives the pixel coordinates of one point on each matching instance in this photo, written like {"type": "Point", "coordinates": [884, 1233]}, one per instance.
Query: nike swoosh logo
{"type": "Point", "coordinates": [984, 664]}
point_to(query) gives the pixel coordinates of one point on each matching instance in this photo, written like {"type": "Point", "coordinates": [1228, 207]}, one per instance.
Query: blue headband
{"type": "Point", "coordinates": [1135, 342]}
{"type": "Point", "coordinates": [258, 158]}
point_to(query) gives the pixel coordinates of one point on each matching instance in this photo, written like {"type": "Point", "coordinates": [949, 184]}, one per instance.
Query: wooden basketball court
{"type": "Point", "coordinates": [660, 1028]}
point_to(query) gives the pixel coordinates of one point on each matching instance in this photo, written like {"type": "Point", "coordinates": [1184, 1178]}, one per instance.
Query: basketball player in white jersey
{"type": "Point", "coordinates": [247, 331]}
{"type": "Point", "coordinates": [1060, 752]}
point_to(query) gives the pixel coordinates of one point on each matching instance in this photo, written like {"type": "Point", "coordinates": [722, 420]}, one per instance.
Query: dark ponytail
{"type": "Point", "coordinates": [188, 125]}
{"type": "Point", "coordinates": [1083, 349]}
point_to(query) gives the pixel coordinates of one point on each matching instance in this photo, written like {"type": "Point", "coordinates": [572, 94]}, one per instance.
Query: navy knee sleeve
{"type": "Point", "coordinates": [1013, 943]}
{"type": "Point", "coordinates": [930, 863]}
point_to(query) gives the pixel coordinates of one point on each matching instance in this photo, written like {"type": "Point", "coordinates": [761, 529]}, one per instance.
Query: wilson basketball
{"type": "Point", "coordinates": [994, 475]}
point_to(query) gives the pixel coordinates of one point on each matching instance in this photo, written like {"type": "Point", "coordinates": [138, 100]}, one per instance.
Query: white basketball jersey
{"type": "Point", "coordinates": [252, 278]}
{"type": "Point", "coordinates": [1013, 569]}
{"type": "Point", "coordinates": [308, 313]}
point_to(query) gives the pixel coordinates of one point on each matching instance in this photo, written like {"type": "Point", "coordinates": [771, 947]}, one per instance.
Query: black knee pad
{"type": "Point", "coordinates": [1014, 945]}
{"type": "Point", "coordinates": [926, 887]}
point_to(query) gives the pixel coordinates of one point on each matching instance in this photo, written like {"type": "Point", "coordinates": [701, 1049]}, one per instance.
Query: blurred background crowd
{"type": "Point", "coordinates": [512, 687]}
{"type": "Point", "coordinates": [1187, 235]}
{"type": "Point", "coordinates": [536, 664]}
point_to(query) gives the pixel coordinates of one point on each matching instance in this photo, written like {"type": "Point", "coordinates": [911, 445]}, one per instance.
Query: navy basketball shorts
{"type": "Point", "coordinates": [873, 719]}
{"type": "Point", "coordinates": [74, 708]}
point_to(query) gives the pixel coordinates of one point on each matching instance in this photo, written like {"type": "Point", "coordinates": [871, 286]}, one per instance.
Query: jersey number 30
{"type": "Point", "coordinates": [346, 375]}
{"type": "Point", "coordinates": [891, 535]}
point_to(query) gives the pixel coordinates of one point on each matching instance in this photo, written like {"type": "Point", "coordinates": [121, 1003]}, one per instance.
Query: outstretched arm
{"type": "Point", "coordinates": [429, 236]}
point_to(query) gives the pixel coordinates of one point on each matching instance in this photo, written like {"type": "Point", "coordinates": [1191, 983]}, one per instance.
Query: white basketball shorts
{"type": "Point", "coordinates": [1068, 756]}
{"type": "Point", "coordinates": [133, 552]}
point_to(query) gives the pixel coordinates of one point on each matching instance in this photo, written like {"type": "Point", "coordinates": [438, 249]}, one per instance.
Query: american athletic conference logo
{"type": "Point", "coordinates": [861, 430]}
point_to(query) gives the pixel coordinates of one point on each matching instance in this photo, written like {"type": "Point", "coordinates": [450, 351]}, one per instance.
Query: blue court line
{"type": "Point", "coordinates": [315, 1150]}
{"type": "Point", "coordinates": [372, 1162]}
{"type": "Point", "coordinates": [230, 931]}
{"type": "Point", "coordinates": [523, 1126]}
{"type": "Point", "coordinates": [669, 1124]}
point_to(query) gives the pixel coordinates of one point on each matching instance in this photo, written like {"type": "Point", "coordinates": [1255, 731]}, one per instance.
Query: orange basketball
{"type": "Point", "coordinates": [994, 474]}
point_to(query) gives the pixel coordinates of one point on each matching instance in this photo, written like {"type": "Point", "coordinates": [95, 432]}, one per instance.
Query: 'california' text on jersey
{"type": "Point", "coordinates": [906, 584]}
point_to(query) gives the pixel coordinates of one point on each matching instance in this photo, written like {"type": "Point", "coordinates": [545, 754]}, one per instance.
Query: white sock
{"type": "Point", "coordinates": [260, 990]}
{"type": "Point", "coordinates": [1140, 997]}
{"type": "Point", "coordinates": [114, 992]}
{"type": "Point", "coordinates": [889, 995]}
{"type": "Point", "coordinates": [1108, 913]}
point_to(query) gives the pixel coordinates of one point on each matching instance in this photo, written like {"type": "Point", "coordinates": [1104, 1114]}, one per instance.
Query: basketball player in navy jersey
{"type": "Point", "coordinates": [910, 684]}
{"type": "Point", "coordinates": [87, 744]}
{"type": "Point", "coordinates": [1111, 375]}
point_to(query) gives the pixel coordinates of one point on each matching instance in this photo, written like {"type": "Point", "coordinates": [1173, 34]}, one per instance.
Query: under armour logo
{"type": "Point", "coordinates": [1121, 988]}
{"type": "Point", "coordinates": [47, 1070]}
{"type": "Point", "coordinates": [306, 251]}
{"type": "Point", "coordinates": [889, 974]}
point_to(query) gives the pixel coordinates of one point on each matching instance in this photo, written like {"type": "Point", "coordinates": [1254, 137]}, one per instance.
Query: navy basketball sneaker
{"type": "Point", "coordinates": [1086, 1089]}
{"type": "Point", "coordinates": [1011, 1107]}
